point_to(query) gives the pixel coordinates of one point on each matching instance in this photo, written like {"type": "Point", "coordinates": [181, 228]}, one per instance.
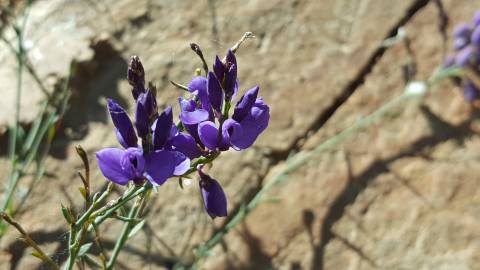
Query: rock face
{"type": "Point", "coordinates": [400, 194]}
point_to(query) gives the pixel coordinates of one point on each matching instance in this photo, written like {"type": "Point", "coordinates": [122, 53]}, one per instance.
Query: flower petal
{"type": "Point", "coordinates": [123, 124]}
{"type": "Point", "coordinates": [141, 121]}
{"type": "Point", "coordinates": [186, 144]}
{"type": "Point", "coordinates": [195, 117]}
{"type": "Point", "coordinates": [182, 163]}
{"type": "Point", "coordinates": [109, 163]}
{"type": "Point", "coordinates": [159, 166]}
{"type": "Point", "coordinates": [231, 81]}
{"type": "Point", "coordinates": [252, 125]}
{"type": "Point", "coordinates": [219, 69]}
{"type": "Point", "coordinates": [214, 197]}
{"type": "Point", "coordinates": [208, 133]}
{"type": "Point", "coordinates": [215, 93]}
{"type": "Point", "coordinates": [245, 104]}
{"type": "Point", "coordinates": [162, 129]}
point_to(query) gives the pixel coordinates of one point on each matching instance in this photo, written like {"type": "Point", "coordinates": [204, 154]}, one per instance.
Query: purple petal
{"type": "Point", "coordinates": [252, 125]}
{"type": "Point", "coordinates": [195, 117]}
{"type": "Point", "coordinates": [231, 59]}
{"type": "Point", "coordinates": [182, 163]}
{"type": "Point", "coordinates": [141, 121]}
{"type": "Point", "coordinates": [109, 163]}
{"type": "Point", "coordinates": [208, 133]}
{"type": "Point", "coordinates": [133, 163]}
{"type": "Point", "coordinates": [147, 100]}
{"type": "Point", "coordinates": [475, 39]}
{"type": "Point", "coordinates": [159, 166]}
{"type": "Point", "coordinates": [187, 105]}
{"type": "Point", "coordinates": [198, 83]}
{"type": "Point", "coordinates": [162, 129]}
{"type": "Point", "coordinates": [462, 30]}
{"type": "Point", "coordinates": [476, 18]}
{"type": "Point", "coordinates": [219, 69]}
{"type": "Point", "coordinates": [460, 43]}
{"type": "Point", "coordinates": [123, 124]}
{"type": "Point", "coordinates": [186, 144]}
{"type": "Point", "coordinates": [245, 104]}
{"type": "Point", "coordinates": [231, 82]}
{"type": "Point", "coordinates": [215, 93]}
{"type": "Point", "coordinates": [464, 57]}
{"type": "Point", "coordinates": [213, 196]}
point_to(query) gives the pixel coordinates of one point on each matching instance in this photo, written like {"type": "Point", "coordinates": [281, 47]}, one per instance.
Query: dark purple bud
{"type": "Point", "coordinates": [470, 91]}
{"type": "Point", "coordinates": [475, 38]}
{"type": "Point", "coordinates": [230, 59]}
{"type": "Point", "coordinates": [215, 94]}
{"type": "Point", "coordinates": [230, 81]}
{"type": "Point", "coordinates": [136, 76]}
{"type": "Point", "coordinates": [213, 196]}
{"type": "Point", "coordinates": [219, 69]}
{"type": "Point", "coordinates": [163, 125]}
{"type": "Point", "coordinates": [149, 103]}
{"type": "Point", "coordinates": [125, 132]}
{"type": "Point", "coordinates": [141, 121]}
{"type": "Point", "coordinates": [245, 104]}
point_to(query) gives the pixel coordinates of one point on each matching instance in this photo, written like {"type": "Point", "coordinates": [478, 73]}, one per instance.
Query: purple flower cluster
{"type": "Point", "coordinates": [156, 149]}
{"type": "Point", "coordinates": [466, 46]}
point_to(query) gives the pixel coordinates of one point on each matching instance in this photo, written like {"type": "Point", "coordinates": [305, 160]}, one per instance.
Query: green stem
{"type": "Point", "coordinates": [133, 214]}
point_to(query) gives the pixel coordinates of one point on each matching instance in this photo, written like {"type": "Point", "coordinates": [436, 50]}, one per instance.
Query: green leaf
{"type": "Point", "coordinates": [3, 228]}
{"type": "Point", "coordinates": [84, 249]}
{"type": "Point", "coordinates": [66, 214]}
{"type": "Point", "coordinates": [137, 228]}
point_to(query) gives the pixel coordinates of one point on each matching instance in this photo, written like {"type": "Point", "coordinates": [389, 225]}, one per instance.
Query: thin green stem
{"type": "Point", "coordinates": [133, 214]}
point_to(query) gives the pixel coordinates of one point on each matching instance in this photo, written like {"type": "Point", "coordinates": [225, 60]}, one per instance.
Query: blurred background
{"type": "Point", "coordinates": [401, 194]}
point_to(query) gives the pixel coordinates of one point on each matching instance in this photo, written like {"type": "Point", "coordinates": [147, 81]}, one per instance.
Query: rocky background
{"type": "Point", "coordinates": [402, 194]}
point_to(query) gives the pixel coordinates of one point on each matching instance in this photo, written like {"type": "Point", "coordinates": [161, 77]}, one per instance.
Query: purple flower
{"type": "Point", "coordinates": [120, 166]}
{"type": "Point", "coordinates": [124, 128]}
{"type": "Point", "coordinates": [250, 118]}
{"type": "Point", "coordinates": [213, 196]}
{"type": "Point", "coordinates": [226, 73]}
{"type": "Point", "coordinates": [136, 76]}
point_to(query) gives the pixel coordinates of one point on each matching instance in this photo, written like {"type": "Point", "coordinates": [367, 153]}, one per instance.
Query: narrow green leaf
{"type": "Point", "coordinates": [84, 249]}
{"type": "Point", "coordinates": [137, 228]}
{"type": "Point", "coordinates": [66, 214]}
